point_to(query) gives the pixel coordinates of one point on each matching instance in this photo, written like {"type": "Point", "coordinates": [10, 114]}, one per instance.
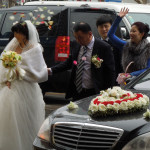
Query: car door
{"type": "Point", "coordinates": [140, 84]}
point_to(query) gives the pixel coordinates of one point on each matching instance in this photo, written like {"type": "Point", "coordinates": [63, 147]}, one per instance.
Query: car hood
{"type": "Point", "coordinates": [127, 122]}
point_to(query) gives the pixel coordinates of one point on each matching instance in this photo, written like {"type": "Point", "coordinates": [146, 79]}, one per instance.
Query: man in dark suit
{"type": "Point", "coordinates": [94, 77]}
{"type": "Point", "coordinates": [103, 24]}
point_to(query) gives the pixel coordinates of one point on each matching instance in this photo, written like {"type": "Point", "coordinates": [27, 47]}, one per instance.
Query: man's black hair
{"type": "Point", "coordinates": [82, 26]}
{"type": "Point", "coordinates": [103, 19]}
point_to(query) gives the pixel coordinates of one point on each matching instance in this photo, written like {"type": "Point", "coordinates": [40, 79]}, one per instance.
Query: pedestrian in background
{"type": "Point", "coordinates": [92, 64]}
{"type": "Point", "coordinates": [136, 52]}
{"type": "Point", "coordinates": [103, 24]}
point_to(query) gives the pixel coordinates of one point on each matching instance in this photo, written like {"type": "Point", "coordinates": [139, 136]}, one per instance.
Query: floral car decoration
{"type": "Point", "coordinates": [72, 105]}
{"type": "Point", "coordinates": [117, 101]}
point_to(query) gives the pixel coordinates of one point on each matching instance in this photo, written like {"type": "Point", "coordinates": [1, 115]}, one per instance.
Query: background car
{"type": "Point", "coordinates": [54, 21]}
{"type": "Point", "coordinates": [75, 129]}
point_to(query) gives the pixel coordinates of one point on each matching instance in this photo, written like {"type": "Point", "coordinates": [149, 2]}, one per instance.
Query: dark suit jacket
{"type": "Point", "coordinates": [103, 77]}
{"type": "Point", "coordinates": [117, 58]}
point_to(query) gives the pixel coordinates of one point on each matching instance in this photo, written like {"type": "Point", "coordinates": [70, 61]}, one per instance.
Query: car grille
{"type": "Point", "coordinates": [84, 136]}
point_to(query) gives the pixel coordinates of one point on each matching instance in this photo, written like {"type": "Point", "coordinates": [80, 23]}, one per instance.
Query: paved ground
{"type": "Point", "coordinates": [49, 108]}
{"type": "Point", "coordinates": [54, 101]}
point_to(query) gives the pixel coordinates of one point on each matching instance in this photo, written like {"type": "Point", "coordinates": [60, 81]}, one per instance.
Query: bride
{"type": "Point", "coordinates": [22, 109]}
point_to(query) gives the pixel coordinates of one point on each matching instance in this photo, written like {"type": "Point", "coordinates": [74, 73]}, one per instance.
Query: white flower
{"type": "Point", "coordinates": [123, 106]}
{"type": "Point", "coordinates": [113, 93]}
{"type": "Point", "coordinates": [93, 107]}
{"type": "Point", "coordinates": [109, 106]}
{"type": "Point", "coordinates": [101, 92]}
{"type": "Point", "coordinates": [143, 101]}
{"type": "Point", "coordinates": [137, 103]}
{"type": "Point", "coordinates": [36, 10]}
{"type": "Point", "coordinates": [11, 17]}
{"type": "Point", "coordinates": [146, 98]}
{"type": "Point", "coordinates": [130, 104]}
{"type": "Point", "coordinates": [51, 22]}
{"type": "Point", "coordinates": [15, 23]}
{"type": "Point", "coordinates": [44, 8]}
{"type": "Point", "coordinates": [131, 94]}
{"type": "Point", "coordinates": [46, 23]}
{"type": "Point", "coordinates": [31, 14]}
{"type": "Point", "coordinates": [108, 90]}
{"type": "Point", "coordinates": [52, 13]}
{"type": "Point", "coordinates": [42, 16]}
{"type": "Point", "coordinates": [102, 107]}
{"type": "Point", "coordinates": [33, 18]}
{"type": "Point", "coordinates": [116, 107]}
{"type": "Point", "coordinates": [111, 99]}
{"type": "Point", "coordinates": [40, 9]}
{"type": "Point", "coordinates": [37, 23]}
{"type": "Point", "coordinates": [22, 15]}
{"type": "Point", "coordinates": [72, 105]}
{"type": "Point", "coordinates": [94, 60]}
{"type": "Point", "coordinates": [147, 114]}
{"type": "Point", "coordinates": [48, 11]}
{"type": "Point", "coordinates": [48, 18]}
{"type": "Point", "coordinates": [105, 94]}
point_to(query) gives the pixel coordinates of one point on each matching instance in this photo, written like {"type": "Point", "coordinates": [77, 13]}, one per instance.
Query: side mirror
{"type": "Point", "coordinates": [124, 33]}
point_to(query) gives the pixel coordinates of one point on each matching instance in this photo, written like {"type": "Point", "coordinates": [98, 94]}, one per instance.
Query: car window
{"type": "Point", "coordinates": [143, 17]}
{"type": "Point", "coordinates": [143, 84]}
{"type": "Point", "coordinates": [12, 18]}
{"type": "Point", "coordinates": [78, 15]}
{"type": "Point", "coordinates": [50, 21]}
{"type": "Point", "coordinates": [124, 31]}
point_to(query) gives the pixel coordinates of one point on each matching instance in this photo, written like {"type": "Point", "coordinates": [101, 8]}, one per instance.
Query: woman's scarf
{"type": "Point", "coordinates": [138, 54]}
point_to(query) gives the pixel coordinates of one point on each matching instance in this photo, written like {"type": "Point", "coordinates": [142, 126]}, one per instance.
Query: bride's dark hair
{"type": "Point", "coordinates": [21, 27]}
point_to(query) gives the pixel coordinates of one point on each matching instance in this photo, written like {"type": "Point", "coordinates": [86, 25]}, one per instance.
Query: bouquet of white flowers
{"type": "Point", "coordinates": [10, 61]}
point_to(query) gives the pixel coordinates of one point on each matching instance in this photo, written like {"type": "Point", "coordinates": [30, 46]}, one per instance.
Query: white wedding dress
{"type": "Point", "coordinates": [22, 109]}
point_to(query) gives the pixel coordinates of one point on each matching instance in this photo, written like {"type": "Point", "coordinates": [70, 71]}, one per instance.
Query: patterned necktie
{"type": "Point", "coordinates": [79, 71]}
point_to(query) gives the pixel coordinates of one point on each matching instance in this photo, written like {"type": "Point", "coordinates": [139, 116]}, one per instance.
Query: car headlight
{"type": "Point", "coordinates": [44, 132]}
{"type": "Point", "coordinates": [138, 143]}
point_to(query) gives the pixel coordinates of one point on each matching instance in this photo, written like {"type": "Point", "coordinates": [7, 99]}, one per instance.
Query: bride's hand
{"type": "Point", "coordinates": [8, 84]}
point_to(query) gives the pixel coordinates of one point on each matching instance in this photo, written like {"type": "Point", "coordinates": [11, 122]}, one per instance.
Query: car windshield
{"type": "Point", "coordinates": [142, 17]}
{"type": "Point", "coordinates": [143, 84]}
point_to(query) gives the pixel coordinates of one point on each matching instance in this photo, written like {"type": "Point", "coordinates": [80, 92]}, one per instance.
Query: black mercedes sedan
{"type": "Point", "coordinates": [66, 129]}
